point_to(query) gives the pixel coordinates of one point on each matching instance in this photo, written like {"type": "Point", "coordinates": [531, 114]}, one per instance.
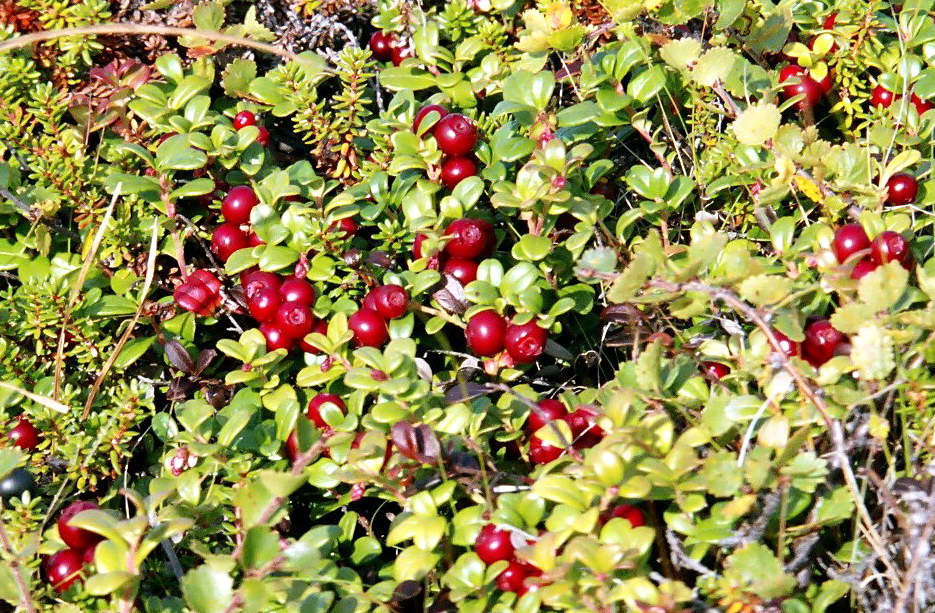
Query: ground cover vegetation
{"type": "Point", "coordinates": [467, 305]}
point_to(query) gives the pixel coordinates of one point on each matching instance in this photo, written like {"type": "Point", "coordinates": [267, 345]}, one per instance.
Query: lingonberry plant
{"type": "Point", "coordinates": [480, 305]}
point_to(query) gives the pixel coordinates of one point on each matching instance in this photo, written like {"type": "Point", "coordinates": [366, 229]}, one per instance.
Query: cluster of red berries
{"type": "Point", "coordinates": [200, 293]}
{"type": "Point", "coordinates": [385, 47]}
{"type": "Point", "coordinates": [493, 545]}
{"type": "Point", "coordinates": [883, 98]}
{"type": "Point", "coordinates": [456, 136]}
{"type": "Point", "coordinates": [851, 242]}
{"type": "Point", "coordinates": [63, 568]}
{"type": "Point", "coordinates": [230, 237]}
{"type": "Point", "coordinates": [585, 433]}
{"type": "Point", "coordinates": [468, 242]}
{"type": "Point", "coordinates": [282, 306]}
{"type": "Point", "coordinates": [381, 304]}
{"type": "Point", "coordinates": [247, 118]}
{"type": "Point", "coordinates": [488, 333]}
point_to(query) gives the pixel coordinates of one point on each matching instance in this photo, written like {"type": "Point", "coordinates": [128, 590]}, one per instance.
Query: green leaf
{"type": "Point", "coordinates": [755, 567]}
{"type": "Point", "coordinates": [275, 257]}
{"type": "Point", "coordinates": [261, 545]}
{"type": "Point", "coordinates": [237, 77]}
{"type": "Point", "coordinates": [10, 459]}
{"type": "Point", "coordinates": [872, 352]}
{"type": "Point", "coordinates": [647, 84]}
{"type": "Point", "coordinates": [207, 590]}
{"type": "Point", "coordinates": [681, 54]}
{"type": "Point", "coordinates": [762, 290]}
{"type": "Point", "coordinates": [107, 583]}
{"type": "Point", "coordinates": [413, 564]}
{"type": "Point", "coordinates": [882, 288]}
{"type": "Point", "coordinates": [197, 187]}
{"type": "Point", "coordinates": [133, 350]}
{"type": "Point", "coordinates": [757, 123]}
{"type": "Point", "coordinates": [850, 317]}
{"type": "Point", "coordinates": [715, 65]}
{"type": "Point", "coordinates": [406, 77]}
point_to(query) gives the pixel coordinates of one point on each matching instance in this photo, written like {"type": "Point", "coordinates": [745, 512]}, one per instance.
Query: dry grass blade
{"type": "Point", "coordinates": [147, 284]}
{"type": "Point", "coordinates": [45, 401]}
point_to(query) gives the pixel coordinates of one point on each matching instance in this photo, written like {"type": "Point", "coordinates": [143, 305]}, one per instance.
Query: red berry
{"type": "Point", "coordinates": [493, 545]}
{"type": "Point", "coordinates": [263, 136]}
{"type": "Point", "coordinates": [456, 134]}
{"type": "Point", "coordinates": [315, 404]}
{"type": "Point", "coordinates": [88, 556]}
{"type": "Point", "coordinates": [254, 240]}
{"type": "Point", "coordinates": [525, 342]}
{"type": "Point", "coordinates": [541, 452]}
{"type": "Point", "coordinates": [63, 568]}
{"type": "Point", "coordinates": [511, 579]}
{"type": "Point", "coordinates": [456, 169]}
{"type": "Point", "coordinates": [320, 327]}
{"type": "Point", "coordinates": [826, 84]}
{"type": "Point", "coordinates": [828, 23]}
{"type": "Point", "coordinates": [276, 338]}
{"type": "Point", "coordinates": [881, 97]}
{"type": "Point", "coordinates": [292, 445]}
{"type": "Point", "coordinates": [921, 105]}
{"type": "Point", "coordinates": [390, 301]}
{"type": "Point", "coordinates": [485, 333]}
{"type": "Point", "coordinates": [848, 240]}
{"type": "Point", "coordinates": [295, 319]}
{"type": "Point", "coordinates": [788, 346]}
{"type": "Point", "coordinates": [425, 110]}
{"type": "Point", "coordinates": [547, 410]}
{"type": "Point", "coordinates": [863, 267]}
{"type": "Point", "coordinates": [244, 119]}
{"type": "Point", "coordinates": [800, 83]}
{"type": "Point", "coordinates": [821, 339]}
{"type": "Point", "coordinates": [715, 370]}
{"type": "Point", "coordinates": [469, 238]}
{"type": "Point", "coordinates": [399, 53]}
{"type": "Point", "coordinates": [259, 280]}
{"type": "Point", "coordinates": [206, 279]}
{"type": "Point", "coordinates": [630, 513]}
{"type": "Point", "coordinates": [264, 304]}
{"type": "Point", "coordinates": [24, 435]}
{"type": "Point", "coordinates": [295, 289]}
{"type": "Point", "coordinates": [77, 538]}
{"type": "Point", "coordinates": [227, 239]}
{"type": "Point", "coordinates": [463, 270]}
{"type": "Point", "coordinates": [417, 246]}
{"type": "Point", "coordinates": [583, 424]}
{"type": "Point", "coordinates": [901, 189]}
{"type": "Point", "coordinates": [347, 225]}
{"type": "Point", "coordinates": [890, 246]}
{"type": "Point", "coordinates": [369, 328]}
{"type": "Point", "coordinates": [381, 45]}
{"type": "Point", "coordinates": [238, 203]}
{"type": "Point", "coordinates": [196, 298]}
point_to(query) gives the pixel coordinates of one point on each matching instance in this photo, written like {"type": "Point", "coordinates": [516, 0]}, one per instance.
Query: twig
{"type": "Point", "coordinates": [923, 542]}
{"type": "Point", "coordinates": [141, 30]}
{"type": "Point", "coordinates": [25, 597]}
{"type": "Point", "coordinates": [680, 559]}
